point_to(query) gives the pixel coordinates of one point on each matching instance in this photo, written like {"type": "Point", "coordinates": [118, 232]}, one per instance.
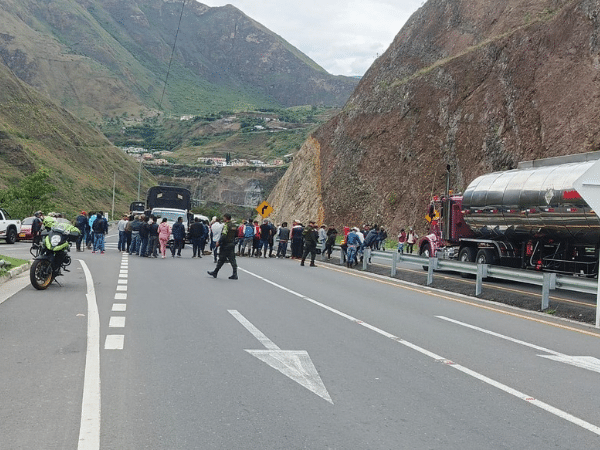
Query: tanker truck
{"type": "Point", "coordinates": [530, 217]}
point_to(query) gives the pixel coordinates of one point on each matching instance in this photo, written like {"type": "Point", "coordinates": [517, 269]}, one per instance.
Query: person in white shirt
{"type": "Point", "coordinates": [215, 230]}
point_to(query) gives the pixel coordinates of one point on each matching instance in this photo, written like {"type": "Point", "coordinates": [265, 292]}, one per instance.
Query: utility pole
{"type": "Point", "coordinates": [140, 176]}
{"type": "Point", "coordinates": [112, 214]}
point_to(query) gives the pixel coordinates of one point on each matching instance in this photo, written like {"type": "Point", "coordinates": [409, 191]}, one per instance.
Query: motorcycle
{"type": "Point", "coordinates": [51, 255]}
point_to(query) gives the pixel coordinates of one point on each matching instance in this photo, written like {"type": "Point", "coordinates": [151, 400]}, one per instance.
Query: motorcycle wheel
{"type": "Point", "coordinates": [40, 274]}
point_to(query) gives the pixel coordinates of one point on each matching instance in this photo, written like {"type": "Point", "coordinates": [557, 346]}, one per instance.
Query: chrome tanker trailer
{"type": "Point", "coordinates": [530, 217]}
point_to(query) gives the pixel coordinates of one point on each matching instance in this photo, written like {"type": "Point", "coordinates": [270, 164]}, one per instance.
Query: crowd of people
{"type": "Point", "coordinates": [146, 235]}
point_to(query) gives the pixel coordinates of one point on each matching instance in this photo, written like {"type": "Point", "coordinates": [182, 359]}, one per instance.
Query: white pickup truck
{"type": "Point", "coordinates": [9, 229]}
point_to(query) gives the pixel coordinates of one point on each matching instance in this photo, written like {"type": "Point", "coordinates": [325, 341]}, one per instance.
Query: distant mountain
{"type": "Point", "coordinates": [35, 133]}
{"type": "Point", "coordinates": [106, 58]}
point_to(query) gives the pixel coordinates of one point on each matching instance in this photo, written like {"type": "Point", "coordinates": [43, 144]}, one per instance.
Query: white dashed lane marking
{"type": "Point", "coordinates": [117, 341]}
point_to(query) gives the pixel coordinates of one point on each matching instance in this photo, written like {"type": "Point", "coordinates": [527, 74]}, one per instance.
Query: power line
{"type": "Point", "coordinates": [172, 52]}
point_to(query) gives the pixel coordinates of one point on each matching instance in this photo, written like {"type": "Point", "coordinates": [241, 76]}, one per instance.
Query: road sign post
{"type": "Point", "coordinates": [264, 209]}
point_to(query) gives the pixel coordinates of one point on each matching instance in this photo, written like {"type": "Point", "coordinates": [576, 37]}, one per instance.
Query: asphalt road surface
{"type": "Point", "coordinates": [144, 353]}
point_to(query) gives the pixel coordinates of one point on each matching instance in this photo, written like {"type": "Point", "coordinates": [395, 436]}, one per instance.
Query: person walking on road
{"type": "Point", "coordinates": [164, 232]}
{"type": "Point", "coordinates": [311, 237]}
{"type": "Point", "coordinates": [226, 247]}
{"type": "Point", "coordinates": [178, 237]}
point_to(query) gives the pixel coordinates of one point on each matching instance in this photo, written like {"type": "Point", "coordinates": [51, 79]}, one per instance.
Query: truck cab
{"type": "Point", "coordinates": [9, 228]}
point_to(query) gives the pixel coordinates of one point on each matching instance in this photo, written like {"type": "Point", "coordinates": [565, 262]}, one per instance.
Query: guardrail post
{"type": "Point", "coordinates": [394, 264]}
{"type": "Point", "coordinates": [549, 284]}
{"type": "Point", "coordinates": [598, 305]}
{"type": "Point", "coordinates": [482, 272]}
{"type": "Point", "coordinates": [366, 257]}
{"type": "Point", "coordinates": [433, 264]}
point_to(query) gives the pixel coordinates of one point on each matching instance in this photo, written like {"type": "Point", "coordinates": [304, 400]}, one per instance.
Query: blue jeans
{"type": "Point", "coordinates": [263, 244]}
{"type": "Point", "coordinates": [98, 242]}
{"type": "Point", "coordinates": [135, 243]}
{"type": "Point", "coordinates": [352, 250]}
{"type": "Point", "coordinates": [144, 247]}
{"type": "Point", "coordinates": [282, 248]}
{"type": "Point", "coordinates": [122, 241]}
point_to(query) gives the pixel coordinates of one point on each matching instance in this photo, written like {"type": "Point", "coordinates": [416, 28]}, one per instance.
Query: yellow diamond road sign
{"type": "Point", "coordinates": [264, 209]}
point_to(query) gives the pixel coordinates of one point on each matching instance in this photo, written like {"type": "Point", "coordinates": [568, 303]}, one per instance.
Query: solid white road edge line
{"type": "Point", "coordinates": [89, 430]}
{"type": "Point", "coordinates": [546, 407]}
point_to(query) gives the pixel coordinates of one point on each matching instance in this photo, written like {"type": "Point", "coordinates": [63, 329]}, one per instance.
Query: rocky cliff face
{"type": "Point", "coordinates": [473, 84]}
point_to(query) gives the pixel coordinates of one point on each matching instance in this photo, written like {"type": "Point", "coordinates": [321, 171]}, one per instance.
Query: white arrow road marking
{"type": "Point", "coordinates": [295, 364]}
{"type": "Point", "coordinates": [584, 362]}
{"type": "Point", "coordinates": [520, 395]}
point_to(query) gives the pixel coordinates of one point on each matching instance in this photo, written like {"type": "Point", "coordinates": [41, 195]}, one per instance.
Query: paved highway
{"type": "Point", "coordinates": [286, 357]}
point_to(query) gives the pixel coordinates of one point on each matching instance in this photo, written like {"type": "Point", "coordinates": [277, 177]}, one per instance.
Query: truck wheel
{"type": "Point", "coordinates": [486, 256]}
{"type": "Point", "coordinates": [466, 254]}
{"type": "Point", "coordinates": [11, 236]}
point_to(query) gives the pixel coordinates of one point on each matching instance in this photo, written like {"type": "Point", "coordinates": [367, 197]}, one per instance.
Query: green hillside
{"type": "Point", "coordinates": [36, 133]}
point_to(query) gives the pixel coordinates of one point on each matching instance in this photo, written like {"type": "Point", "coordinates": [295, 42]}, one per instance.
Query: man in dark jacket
{"type": "Point", "coordinates": [178, 231]}
{"type": "Point", "coordinates": [144, 235]}
{"type": "Point", "coordinates": [136, 242]}
{"type": "Point", "coordinates": [226, 247]}
{"type": "Point", "coordinates": [81, 222]}
{"type": "Point", "coordinates": [36, 228]}
{"type": "Point", "coordinates": [196, 235]}
{"type": "Point", "coordinates": [311, 237]}
{"type": "Point", "coordinates": [100, 228]}
{"type": "Point", "coordinates": [153, 238]}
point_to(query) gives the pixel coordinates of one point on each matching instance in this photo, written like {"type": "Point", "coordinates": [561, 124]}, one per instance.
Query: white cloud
{"type": "Point", "coordinates": [343, 36]}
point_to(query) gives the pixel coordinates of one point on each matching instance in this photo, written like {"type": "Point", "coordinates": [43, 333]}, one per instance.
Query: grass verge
{"type": "Point", "coordinates": [14, 262]}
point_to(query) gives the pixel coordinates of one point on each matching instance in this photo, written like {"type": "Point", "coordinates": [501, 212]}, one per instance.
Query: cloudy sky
{"type": "Point", "coordinates": [342, 36]}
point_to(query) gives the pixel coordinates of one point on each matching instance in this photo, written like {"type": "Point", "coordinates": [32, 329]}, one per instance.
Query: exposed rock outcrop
{"type": "Point", "coordinates": [473, 84]}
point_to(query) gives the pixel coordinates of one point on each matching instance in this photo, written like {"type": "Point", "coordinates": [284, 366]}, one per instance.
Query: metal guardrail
{"type": "Point", "coordinates": [548, 281]}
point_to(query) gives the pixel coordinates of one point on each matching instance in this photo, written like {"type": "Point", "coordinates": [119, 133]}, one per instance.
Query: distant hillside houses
{"type": "Point", "coordinates": [222, 162]}
{"type": "Point", "coordinates": [150, 157]}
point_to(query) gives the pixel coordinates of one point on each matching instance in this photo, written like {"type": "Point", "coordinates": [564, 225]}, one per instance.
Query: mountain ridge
{"type": "Point", "coordinates": [108, 58]}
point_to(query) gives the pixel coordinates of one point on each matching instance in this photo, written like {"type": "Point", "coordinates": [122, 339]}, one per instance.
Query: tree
{"type": "Point", "coordinates": [33, 193]}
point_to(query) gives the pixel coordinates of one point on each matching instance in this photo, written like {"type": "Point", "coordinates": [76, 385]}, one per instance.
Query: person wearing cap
{"type": "Point", "coordinates": [296, 235]}
{"type": "Point", "coordinates": [311, 237]}
{"type": "Point", "coordinates": [36, 228]}
{"type": "Point", "coordinates": [226, 247]}
{"type": "Point", "coordinates": [353, 242]}
{"type": "Point", "coordinates": [80, 222]}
